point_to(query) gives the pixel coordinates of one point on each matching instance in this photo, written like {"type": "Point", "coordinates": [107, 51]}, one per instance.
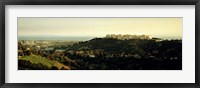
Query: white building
{"type": "Point", "coordinates": [127, 36]}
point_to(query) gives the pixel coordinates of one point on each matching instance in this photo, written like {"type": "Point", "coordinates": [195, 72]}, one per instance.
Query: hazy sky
{"type": "Point", "coordinates": [99, 27]}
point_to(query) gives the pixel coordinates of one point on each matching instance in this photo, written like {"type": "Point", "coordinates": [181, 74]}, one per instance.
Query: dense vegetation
{"type": "Point", "coordinates": [38, 62]}
{"type": "Point", "coordinates": [109, 54]}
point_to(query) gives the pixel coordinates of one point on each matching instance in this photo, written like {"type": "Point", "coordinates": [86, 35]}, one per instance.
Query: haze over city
{"type": "Point", "coordinates": [87, 28]}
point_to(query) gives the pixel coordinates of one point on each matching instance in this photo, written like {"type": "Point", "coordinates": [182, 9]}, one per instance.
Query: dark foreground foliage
{"type": "Point", "coordinates": [27, 65]}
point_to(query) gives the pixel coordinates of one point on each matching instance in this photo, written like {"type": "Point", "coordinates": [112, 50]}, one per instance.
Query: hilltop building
{"type": "Point", "coordinates": [127, 36]}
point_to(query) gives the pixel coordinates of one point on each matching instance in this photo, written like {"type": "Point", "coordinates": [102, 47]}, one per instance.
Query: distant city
{"type": "Point", "coordinates": [68, 38]}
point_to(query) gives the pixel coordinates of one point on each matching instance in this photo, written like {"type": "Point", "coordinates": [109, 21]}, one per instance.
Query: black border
{"type": "Point", "coordinates": [99, 2]}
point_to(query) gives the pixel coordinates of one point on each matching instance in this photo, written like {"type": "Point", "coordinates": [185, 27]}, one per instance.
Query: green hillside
{"type": "Point", "coordinates": [44, 61]}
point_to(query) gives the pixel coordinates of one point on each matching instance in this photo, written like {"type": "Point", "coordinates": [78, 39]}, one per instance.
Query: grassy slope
{"type": "Point", "coordinates": [38, 59]}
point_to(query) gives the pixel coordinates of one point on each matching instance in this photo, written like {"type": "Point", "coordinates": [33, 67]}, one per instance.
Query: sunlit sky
{"type": "Point", "coordinates": [99, 27]}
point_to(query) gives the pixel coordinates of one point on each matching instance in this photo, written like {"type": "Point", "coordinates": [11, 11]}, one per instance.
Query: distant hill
{"type": "Point", "coordinates": [110, 53]}
{"type": "Point", "coordinates": [110, 44]}
{"type": "Point", "coordinates": [129, 46]}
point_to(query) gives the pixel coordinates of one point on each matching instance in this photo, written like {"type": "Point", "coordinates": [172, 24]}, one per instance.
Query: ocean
{"type": "Point", "coordinates": [54, 38]}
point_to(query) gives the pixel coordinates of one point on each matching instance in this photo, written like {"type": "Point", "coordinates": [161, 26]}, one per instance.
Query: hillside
{"type": "Point", "coordinates": [109, 53]}
{"type": "Point", "coordinates": [134, 45]}
{"type": "Point", "coordinates": [104, 43]}
{"type": "Point", "coordinates": [48, 64]}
